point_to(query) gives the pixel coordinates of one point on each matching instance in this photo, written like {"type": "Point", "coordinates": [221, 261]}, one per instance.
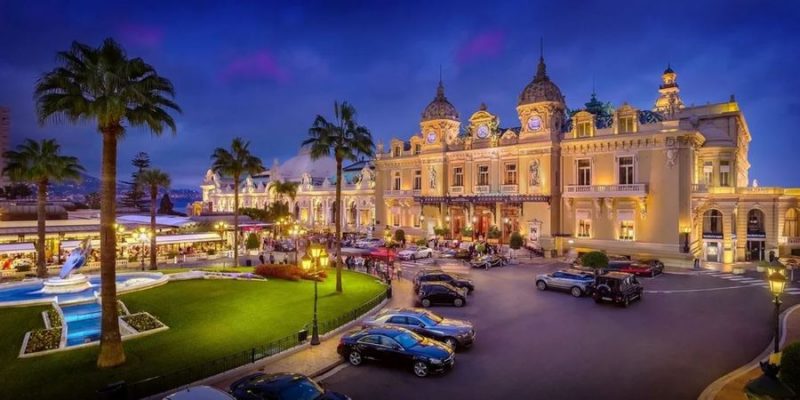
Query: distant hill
{"type": "Point", "coordinates": [88, 184]}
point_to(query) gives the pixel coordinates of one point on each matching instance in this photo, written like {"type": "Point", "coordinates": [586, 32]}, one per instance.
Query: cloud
{"type": "Point", "coordinates": [487, 44]}
{"type": "Point", "coordinates": [259, 65]}
{"type": "Point", "coordinates": [141, 35]}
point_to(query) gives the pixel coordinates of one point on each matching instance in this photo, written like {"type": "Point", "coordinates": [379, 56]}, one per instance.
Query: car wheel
{"type": "Point", "coordinates": [598, 299]}
{"type": "Point", "coordinates": [426, 303]}
{"type": "Point", "coordinates": [576, 291]}
{"type": "Point", "coordinates": [355, 358]}
{"type": "Point", "coordinates": [458, 303]}
{"type": "Point", "coordinates": [541, 285]}
{"type": "Point", "coordinates": [451, 342]}
{"type": "Point", "coordinates": [626, 302]}
{"type": "Point", "coordinates": [420, 369]}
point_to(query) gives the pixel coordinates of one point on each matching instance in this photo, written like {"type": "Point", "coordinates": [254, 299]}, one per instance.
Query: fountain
{"type": "Point", "coordinates": [67, 281]}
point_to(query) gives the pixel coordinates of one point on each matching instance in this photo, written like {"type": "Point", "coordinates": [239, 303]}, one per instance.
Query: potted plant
{"type": "Point", "coordinates": [515, 242]}
{"type": "Point", "coordinates": [493, 235]}
{"type": "Point", "coordinates": [252, 244]}
{"type": "Point", "coordinates": [466, 233]}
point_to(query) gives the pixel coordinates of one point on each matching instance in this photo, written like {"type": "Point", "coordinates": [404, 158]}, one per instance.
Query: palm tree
{"type": "Point", "coordinates": [285, 188]}
{"type": "Point", "coordinates": [347, 141]}
{"type": "Point", "coordinates": [153, 179]}
{"type": "Point", "coordinates": [235, 163]}
{"type": "Point", "coordinates": [103, 85]}
{"type": "Point", "coordinates": [41, 163]}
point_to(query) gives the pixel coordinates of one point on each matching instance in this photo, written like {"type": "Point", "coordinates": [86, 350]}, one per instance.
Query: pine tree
{"type": "Point", "coordinates": [135, 196]}
{"type": "Point", "coordinates": [166, 206]}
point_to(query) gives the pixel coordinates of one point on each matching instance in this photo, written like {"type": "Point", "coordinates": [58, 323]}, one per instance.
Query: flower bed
{"type": "Point", "coordinates": [42, 340]}
{"type": "Point", "coordinates": [54, 317]}
{"type": "Point", "coordinates": [142, 321]}
{"type": "Point", "coordinates": [287, 272]}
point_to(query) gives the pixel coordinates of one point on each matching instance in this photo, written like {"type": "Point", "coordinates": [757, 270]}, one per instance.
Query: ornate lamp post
{"type": "Point", "coordinates": [120, 233]}
{"type": "Point", "coordinates": [295, 231]}
{"type": "Point", "coordinates": [777, 284]}
{"type": "Point", "coordinates": [387, 235]}
{"type": "Point", "coordinates": [144, 237]}
{"type": "Point", "coordinates": [316, 257]}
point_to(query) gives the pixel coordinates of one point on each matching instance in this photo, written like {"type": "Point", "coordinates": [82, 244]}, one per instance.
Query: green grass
{"type": "Point", "coordinates": [207, 319]}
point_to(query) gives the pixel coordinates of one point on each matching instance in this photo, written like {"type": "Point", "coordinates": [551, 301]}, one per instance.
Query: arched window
{"type": "Point", "coordinates": [790, 228]}
{"type": "Point", "coordinates": [712, 223]}
{"type": "Point", "coordinates": [755, 222]}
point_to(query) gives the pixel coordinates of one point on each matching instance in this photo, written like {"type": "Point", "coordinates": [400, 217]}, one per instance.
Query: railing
{"type": "Point", "coordinates": [399, 193]}
{"type": "Point", "coordinates": [635, 189]}
{"type": "Point", "coordinates": [176, 379]}
{"type": "Point", "coordinates": [456, 189]}
{"type": "Point", "coordinates": [704, 188]}
{"type": "Point", "coordinates": [482, 189]}
{"type": "Point", "coordinates": [508, 189]}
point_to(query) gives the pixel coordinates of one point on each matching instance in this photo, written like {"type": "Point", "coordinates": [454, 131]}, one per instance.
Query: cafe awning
{"type": "Point", "coordinates": [192, 238]}
{"type": "Point", "coordinates": [11, 248]}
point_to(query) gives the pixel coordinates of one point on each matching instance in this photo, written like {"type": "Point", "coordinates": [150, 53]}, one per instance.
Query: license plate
{"type": "Point", "coordinates": [607, 298]}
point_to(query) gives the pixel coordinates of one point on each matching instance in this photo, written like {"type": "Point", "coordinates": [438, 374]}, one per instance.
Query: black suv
{"type": "Point", "coordinates": [441, 293]}
{"type": "Point", "coordinates": [616, 287]}
{"type": "Point", "coordinates": [433, 275]}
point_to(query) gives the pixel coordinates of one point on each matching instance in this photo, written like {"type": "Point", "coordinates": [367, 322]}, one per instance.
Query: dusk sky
{"type": "Point", "coordinates": [263, 70]}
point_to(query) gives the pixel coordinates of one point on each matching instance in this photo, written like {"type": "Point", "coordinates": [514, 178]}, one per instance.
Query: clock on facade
{"type": "Point", "coordinates": [431, 137]}
{"type": "Point", "coordinates": [534, 123]}
{"type": "Point", "coordinates": [483, 131]}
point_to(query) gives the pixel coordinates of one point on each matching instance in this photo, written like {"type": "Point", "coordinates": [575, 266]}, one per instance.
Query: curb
{"type": "Point", "coordinates": [711, 391]}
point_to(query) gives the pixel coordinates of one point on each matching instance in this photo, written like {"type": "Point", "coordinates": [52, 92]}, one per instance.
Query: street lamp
{"type": "Point", "coordinates": [686, 231]}
{"type": "Point", "coordinates": [295, 231]}
{"type": "Point", "coordinates": [775, 266]}
{"type": "Point", "coordinates": [387, 235]}
{"type": "Point", "coordinates": [144, 237]}
{"type": "Point", "coordinates": [777, 283]}
{"type": "Point", "coordinates": [318, 257]}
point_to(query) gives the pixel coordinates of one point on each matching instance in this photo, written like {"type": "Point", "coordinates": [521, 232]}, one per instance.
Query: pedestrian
{"type": "Point", "coordinates": [271, 258]}
{"type": "Point", "coordinates": [696, 263]}
{"type": "Point", "coordinates": [261, 258]}
{"type": "Point", "coordinates": [399, 272]}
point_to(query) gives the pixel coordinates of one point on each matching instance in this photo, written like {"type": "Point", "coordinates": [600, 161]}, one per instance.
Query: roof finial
{"type": "Point", "coordinates": [541, 48]}
{"type": "Point", "coordinates": [440, 88]}
{"type": "Point", "coordinates": [541, 72]}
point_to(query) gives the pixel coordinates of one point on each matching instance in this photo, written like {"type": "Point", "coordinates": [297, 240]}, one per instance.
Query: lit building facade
{"type": "Point", "coordinates": [669, 182]}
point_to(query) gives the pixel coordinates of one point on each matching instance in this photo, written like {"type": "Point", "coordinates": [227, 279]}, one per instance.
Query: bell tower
{"type": "Point", "coordinates": [669, 99]}
{"type": "Point", "coordinates": [541, 107]}
{"type": "Point", "coordinates": [440, 123]}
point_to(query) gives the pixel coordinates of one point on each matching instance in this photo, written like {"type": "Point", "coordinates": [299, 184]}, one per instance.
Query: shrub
{"type": "Point", "coordinates": [790, 366]}
{"type": "Point", "coordinates": [421, 242]}
{"type": "Point", "coordinates": [285, 272]}
{"type": "Point", "coordinates": [211, 252]}
{"type": "Point", "coordinates": [595, 260]}
{"type": "Point", "coordinates": [441, 231]}
{"type": "Point", "coordinates": [54, 317]}
{"type": "Point", "coordinates": [515, 241]}
{"type": "Point", "coordinates": [494, 232]}
{"type": "Point", "coordinates": [43, 339]}
{"type": "Point", "coordinates": [252, 242]}
{"type": "Point", "coordinates": [399, 236]}
{"type": "Point", "coordinates": [142, 322]}
{"type": "Point", "coordinates": [480, 248]}
{"type": "Point", "coordinates": [466, 231]}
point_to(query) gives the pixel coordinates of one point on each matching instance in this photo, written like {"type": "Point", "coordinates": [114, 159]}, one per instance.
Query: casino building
{"type": "Point", "coordinates": [669, 181]}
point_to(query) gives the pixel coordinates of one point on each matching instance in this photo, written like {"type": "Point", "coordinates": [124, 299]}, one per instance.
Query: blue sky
{"type": "Point", "coordinates": [263, 70]}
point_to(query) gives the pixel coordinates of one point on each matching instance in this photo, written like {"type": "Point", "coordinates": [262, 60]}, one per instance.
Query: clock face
{"type": "Point", "coordinates": [431, 137]}
{"type": "Point", "coordinates": [534, 123]}
{"type": "Point", "coordinates": [483, 131]}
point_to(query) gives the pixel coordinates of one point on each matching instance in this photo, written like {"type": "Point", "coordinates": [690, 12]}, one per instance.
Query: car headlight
{"type": "Point", "coordinates": [434, 361]}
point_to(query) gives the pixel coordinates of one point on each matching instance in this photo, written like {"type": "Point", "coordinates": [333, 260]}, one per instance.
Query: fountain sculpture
{"type": "Point", "coordinates": [68, 281]}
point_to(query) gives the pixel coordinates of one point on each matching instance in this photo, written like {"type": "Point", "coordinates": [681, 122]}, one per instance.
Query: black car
{"type": "Point", "coordinates": [488, 261]}
{"type": "Point", "coordinates": [431, 293]}
{"type": "Point", "coordinates": [281, 386]}
{"type": "Point", "coordinates": [453, 332]}
{"type": "Point", "coordinates": [616, 287]}
{"type": "Point", "coordinates": [433, 275]}
{"type": "Point", "coordinates": [397, 346]}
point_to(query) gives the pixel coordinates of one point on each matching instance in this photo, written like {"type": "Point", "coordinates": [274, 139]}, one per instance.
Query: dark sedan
{"type": "Point", "coordinates": [396, 346]}
{"type": "Point", "coordinates": [429, 275]}
{"type": "Point", "coordinates": [281, 386]}
{"type": "Point", "coordinates": [453, 332]}
{"type": "Point", "coordinates": [431, 293]}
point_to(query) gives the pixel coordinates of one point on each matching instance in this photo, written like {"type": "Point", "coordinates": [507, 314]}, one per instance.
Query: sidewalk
{"type": "Point", "coordinates": [309, 360]}
{"type": "Point", "coordinates": [731, 386]}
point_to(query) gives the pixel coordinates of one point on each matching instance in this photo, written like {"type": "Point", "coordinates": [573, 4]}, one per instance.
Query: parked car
{"type": "Point", "coordinates": [434, 275]}
{"type": "Point", "coordinates": [649, 268]}
{"type": "Point", "coordinates": [458, 254]}
{"type": "Point", "coordinates": [616, 287]}
{"type": "Point", "coordinates": [453, 332]}
{"type": "Point", "coordinates": [397, 346]}
{"type": "Point", "coordinates": [577, 282]}
{"type": "Point", "coordinates": [488, 261]}
{"type": "Point", "coordinates": [200, 393]}
{"type": "Point", "coordinates": [281, 386]}
{"type": "Point", "coordinates": [431, 293]}
{"type": "Point", "coordinates": [414, 253]}
{"type": "Point", "coordinates": [284, 246]}
{"type": "Point", "coordinates": [369, 243]}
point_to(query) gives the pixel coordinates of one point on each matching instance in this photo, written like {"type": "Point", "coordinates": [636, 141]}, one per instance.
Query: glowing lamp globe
{"type": "Point", "coordinates": [777, 283]}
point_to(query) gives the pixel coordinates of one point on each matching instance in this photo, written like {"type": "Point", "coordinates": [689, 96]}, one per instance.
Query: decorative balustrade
{"type": "Point", "coordinates": [482, 189]}
{"type": "Point", "coordinates": [508, 189]}
{"type": "Point", "coordinates": [619, 190]}
{"type": "Point", "coordinates": [456, 190]}
{"type": "Point", "coordinates": [704, 188]}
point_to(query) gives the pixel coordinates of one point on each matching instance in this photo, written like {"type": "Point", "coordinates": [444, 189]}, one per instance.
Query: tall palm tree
{"type": "Point", "coordinates": [235, 163]}
{"type": "Point", "coordinates": [285, 188]}
{"type": "Point", "coordinates": [41, 163]}
{"type": "Point", "coordinates": [153, 179]}
{"type": "Point", "coordinates": [105, 86]}
{"type": "Point", "coordinates": [347, 140]}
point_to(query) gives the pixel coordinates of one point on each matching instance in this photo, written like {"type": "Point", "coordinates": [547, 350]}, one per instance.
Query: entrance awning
{"type": "Point", "coordinates": [193, 238]}
{"type": "Point", "coordinates": [9, 248]}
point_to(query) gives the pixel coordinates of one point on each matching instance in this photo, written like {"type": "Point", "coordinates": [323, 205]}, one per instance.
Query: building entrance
{"type": "Point", "coordinates": [755, 250]}
{"type": "Point", "coordinates": [712, 251]}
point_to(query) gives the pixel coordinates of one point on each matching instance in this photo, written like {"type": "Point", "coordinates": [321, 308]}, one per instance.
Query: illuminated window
{"type": "Point", "coordinates": [584, 172]}
{"type": "Point", "coordinates": [417, 180]}
{"type": "Point", "coordinates": [626, 230]}
{"type": "Point", "coordinates": [397, 151]}
{"type": "Point", "coordinates": [724, 173]}
{"type": "Point", "coordinates": [415, 221]}
{"type": "Point", "coordinates": [396, 219]}
{"type": "Point", "coordinates": [625, 170]}
{"type": "Point", "coordinates": [584, 129]}
{"type": "Point", "coordinates": [626, 124]}
{"type": "Point", "coordinates": [511, 174]}
{"type": "Point", "coordinates": [790, 227]}
{"type": "Point", "coordinates": [483, 175]}
{"type": "Point", "coordinates": [584, 228]}
{"type": "Point", "coordinates": [417, 149]}
{"type": "Point", "coordinates": [708, 172]}
{"type": "Point", "coordinates": [396, 181]}
{"type": "Point", "coordinates": [458, 176]}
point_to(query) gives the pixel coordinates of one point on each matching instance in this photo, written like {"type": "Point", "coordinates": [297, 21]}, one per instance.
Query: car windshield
{"type": "Point", "coordinates": [408, 339]}
{"type": "Point", "coordinates": [302, 389]}
{"type": "Point", "coordinates": [430, 318]}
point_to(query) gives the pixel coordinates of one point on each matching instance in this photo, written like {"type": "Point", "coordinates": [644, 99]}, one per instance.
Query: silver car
{"type": "Point", "coordinates": [453, 332]}
{"type": "Point", "coordinates": [575, 281]}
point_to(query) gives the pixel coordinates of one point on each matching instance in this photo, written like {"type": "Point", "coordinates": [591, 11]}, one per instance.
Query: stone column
{"type": "Point", "coordinates": [741, 233]}
{"type": "Point", "coordinates": [727, 233]}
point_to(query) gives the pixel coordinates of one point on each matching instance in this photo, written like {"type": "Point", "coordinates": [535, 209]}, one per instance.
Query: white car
{"type": "Point", "coordinates": [414, 253]}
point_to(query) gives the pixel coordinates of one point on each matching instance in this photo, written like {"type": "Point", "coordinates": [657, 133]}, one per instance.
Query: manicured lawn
{"type": "Point", "coordinates": [208, 319]}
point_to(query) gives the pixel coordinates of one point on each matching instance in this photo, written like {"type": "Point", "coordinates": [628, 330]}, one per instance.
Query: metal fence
{"type": "Point", "coordinates": [162, 383]}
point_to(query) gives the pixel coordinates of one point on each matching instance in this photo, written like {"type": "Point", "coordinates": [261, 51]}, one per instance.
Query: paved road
{"type": "Point", "coordinates": [534, 344]}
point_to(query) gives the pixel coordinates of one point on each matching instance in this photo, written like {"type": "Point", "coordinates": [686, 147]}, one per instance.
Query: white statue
{"type": "Point", "coordinates": [755, 183]}
{"type": "Point", "coordinates": [534, 173]}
